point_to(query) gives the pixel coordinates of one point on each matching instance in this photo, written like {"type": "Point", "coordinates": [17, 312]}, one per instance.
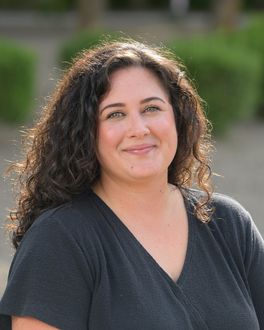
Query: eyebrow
{"type": "Point", "coordinates": [148, 99]}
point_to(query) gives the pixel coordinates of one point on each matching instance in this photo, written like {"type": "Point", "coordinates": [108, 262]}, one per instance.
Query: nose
{"type": "Point", "coordinates": [138, 126]}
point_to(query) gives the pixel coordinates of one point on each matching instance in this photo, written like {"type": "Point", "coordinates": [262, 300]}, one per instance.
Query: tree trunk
{"type": "Point", "coordinates": [226, 13]}
{"type": "Point", "coordinates": [179, 8]}
{"type": "Point", "coordinates": [90, 13]}
{"type": "Point", "coordinates": [138, 4]}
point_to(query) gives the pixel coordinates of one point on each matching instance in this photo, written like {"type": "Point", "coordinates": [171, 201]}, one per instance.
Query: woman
{"type": "Point", "coordinates": [109, 233]}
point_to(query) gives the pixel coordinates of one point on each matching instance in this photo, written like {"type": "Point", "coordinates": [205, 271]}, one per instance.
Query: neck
{"type": "Point", "coordinates": [151, 197]}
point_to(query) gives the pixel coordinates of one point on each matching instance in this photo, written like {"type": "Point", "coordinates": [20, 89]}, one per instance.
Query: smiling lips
{"type": "Point", "coordinates": [141, 149]}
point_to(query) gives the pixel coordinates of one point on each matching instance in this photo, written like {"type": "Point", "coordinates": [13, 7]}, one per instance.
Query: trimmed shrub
{"type": "Point", "coordinates": [200, 4]}
{"type": "Point", "coordinates": [53, 5]}
{"type": "Point", "coordinates": [226, 78]}
{"type": "Point", "coordinates": [17, 69]}
{"type": "Point", "coordinates": [251, 37]}
{"type": "Point", "coordinates": [42, 5]}
{"type": "Point", "coordinates": [81, 41]}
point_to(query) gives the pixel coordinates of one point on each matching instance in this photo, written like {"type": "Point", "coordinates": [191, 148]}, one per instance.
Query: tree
{"type": "Point", "coordinates": [90, 13]}
{"type": "Point", "coordinates": [226, 13]}
{"type": "Point", "coordinates": [138, 4]}
{"type": "Point", "coordinates": [179, 8]}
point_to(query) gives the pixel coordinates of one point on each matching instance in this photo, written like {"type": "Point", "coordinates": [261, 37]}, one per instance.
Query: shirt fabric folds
{"type": "Point", "coordinates": [79, 267]}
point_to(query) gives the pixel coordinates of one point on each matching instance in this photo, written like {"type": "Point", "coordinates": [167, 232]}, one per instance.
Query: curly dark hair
{"type": "Point", "coordinates": [61, 160]}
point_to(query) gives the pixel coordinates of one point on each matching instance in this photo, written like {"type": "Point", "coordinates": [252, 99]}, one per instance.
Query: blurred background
{"type": "Point", "coordinates": [221, 42]}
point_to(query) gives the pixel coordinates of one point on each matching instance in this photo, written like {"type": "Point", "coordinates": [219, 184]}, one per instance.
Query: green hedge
{"type": "Point", "coordinates": [57, 5]}
{"type": "Point", "coordinates": [42, 5]}
{"type": "Point", "coordinates": [80, 41]}
{"type": "Point", "coordinates": [250, 37]}
{"type": "Point", "coordinates": [17, 78]}
{"type": "Point", "coordinates": [225, 77]}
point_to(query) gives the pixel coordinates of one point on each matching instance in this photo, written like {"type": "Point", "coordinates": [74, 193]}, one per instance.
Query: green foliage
{"type": "Point", "coordinates": [226, 78]}
{"type": "Point", "coordinates": [249, 38]}
{"type": "Point", "coordinates": [52, 5]}
{"type": "Point", "coordinates": [60, 5]}
{"type": "Point", "coordinates": [200, 4]}
{"type": "Point", "coordinates": [147, 4]}
{"type": "Point", "coordinates": [17, 69]}
{"type": "Point", "coordinates": [81, 41]}
{"type": "Point", "coordinates": [42, 5]}
{"type": "Point", "coordinates": [253, 4]}
{"type": "Point", "coordinates": [252, 37]}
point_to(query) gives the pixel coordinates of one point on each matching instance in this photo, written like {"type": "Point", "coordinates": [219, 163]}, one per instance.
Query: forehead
{"type": "Point", "coordinates": [135, 80]}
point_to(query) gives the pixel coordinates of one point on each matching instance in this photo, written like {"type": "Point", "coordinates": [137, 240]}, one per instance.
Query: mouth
{"type": "Point", "coordinates": [140, 149]}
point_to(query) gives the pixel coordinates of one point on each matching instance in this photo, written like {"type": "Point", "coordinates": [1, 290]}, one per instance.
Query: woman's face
{"type": "Point", "coordinates": [137, 137]}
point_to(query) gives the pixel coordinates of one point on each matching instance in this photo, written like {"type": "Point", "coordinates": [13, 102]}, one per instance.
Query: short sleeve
{"type": "Point", "coordinates": [255, 269]}
{"type": "Point", "coordinates": [49, 279]}
{"type": "Point", "coordinates": [246, 245]}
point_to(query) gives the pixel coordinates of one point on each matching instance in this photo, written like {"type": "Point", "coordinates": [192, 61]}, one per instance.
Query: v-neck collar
{"type": "Point", "coordinates": [190, 244]}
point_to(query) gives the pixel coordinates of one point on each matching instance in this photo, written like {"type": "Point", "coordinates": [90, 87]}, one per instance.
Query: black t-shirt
{"type": "Point", "coordinates": [79, 267]}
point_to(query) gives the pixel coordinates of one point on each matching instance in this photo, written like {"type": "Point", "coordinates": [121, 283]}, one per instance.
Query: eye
{"type": "Point", "coordinates": [151, 108]}
{"type": "Point", "coordinates": [116, 114]}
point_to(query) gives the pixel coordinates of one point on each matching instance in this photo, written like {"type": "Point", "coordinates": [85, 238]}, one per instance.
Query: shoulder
{"type": "Point", "coordinates": [61, 233]}
{"type": "Point", "coordinates": [229, 218]}
{"type": "Point", "coordinates": [77, 215]}
{"type": "Point", "coordinates": [231, 225]}
{"type": "Point", "coordinates": [229, 205]}
{"type": "Point", "coordinates": [54, 269]}
{"type": "Point", "coordinates": [231, 215]}
{"type": "Point", "coordinates": [224, 206]}
{"type": "Point", "coordinates": [65, 227]}
{"type": "Point", "coordinates": [234, 223]}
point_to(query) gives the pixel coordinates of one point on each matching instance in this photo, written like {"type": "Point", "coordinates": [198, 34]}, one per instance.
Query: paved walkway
{"type": "Point", "coordinates": [239, 157]}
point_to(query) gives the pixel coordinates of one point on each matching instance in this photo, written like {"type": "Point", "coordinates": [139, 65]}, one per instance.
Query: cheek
{"type": "Point", "coordinates": [167, 126]}
{"type": "Point", "coordinates": [172, 125]}
{"type": "Point", "coordinates": [109, 137]}
{"type": "Point", "coordinates": [169, 133]}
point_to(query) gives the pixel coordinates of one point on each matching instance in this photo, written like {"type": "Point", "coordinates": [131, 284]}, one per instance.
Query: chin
{"type": "Point", "coordinates": [147, 173]}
